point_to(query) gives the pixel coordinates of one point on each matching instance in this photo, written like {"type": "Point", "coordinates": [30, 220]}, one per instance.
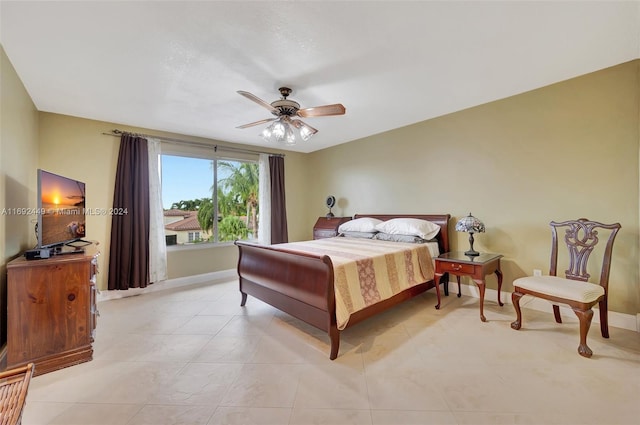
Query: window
{"type": "Point", "coordinates": [208, 200]}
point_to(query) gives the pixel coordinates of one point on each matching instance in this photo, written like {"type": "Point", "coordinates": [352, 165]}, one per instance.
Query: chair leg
{"type": "Point", "coordinates": [515, 299]}
{"type": "Point", "coordinates": [556, 313]}
{"type": "Point", "coordinates": [604, 317]}
{"type": "Point", "coordinates": [585, 322]}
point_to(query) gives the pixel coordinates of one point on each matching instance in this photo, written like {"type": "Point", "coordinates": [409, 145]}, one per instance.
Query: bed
{"type": "Point", "coordinates": [302, 284]}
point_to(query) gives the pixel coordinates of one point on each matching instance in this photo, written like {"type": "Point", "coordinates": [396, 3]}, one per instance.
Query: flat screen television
{"type": "Point", "coordinates": [61, 210]}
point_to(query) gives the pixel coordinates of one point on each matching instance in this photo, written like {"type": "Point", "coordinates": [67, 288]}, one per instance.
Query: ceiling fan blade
{"type": "Point", "coordinates": [251, 124]}
{"type": "Point", "coordinates": [258, 101]}
{"type": "Point", "coordinates": [322, 111]}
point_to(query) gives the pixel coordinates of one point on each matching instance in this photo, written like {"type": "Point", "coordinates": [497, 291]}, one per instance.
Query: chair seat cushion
{"type": "Point", "coordinates": [559, 287]}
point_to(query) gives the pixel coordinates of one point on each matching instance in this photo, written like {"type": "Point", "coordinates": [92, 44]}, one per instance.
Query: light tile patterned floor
{"type": "Point", "coordinates": [193, 356]}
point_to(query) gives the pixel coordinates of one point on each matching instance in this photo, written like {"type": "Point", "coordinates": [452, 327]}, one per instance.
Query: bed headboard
{"type": "Point", "coordinates": [441, 220]}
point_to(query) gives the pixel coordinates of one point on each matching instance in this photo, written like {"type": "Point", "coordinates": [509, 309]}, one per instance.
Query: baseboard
{"type": "Point", "coordinates": [618, 320]}
{"type": "Point", "coordinates": [220, 276]}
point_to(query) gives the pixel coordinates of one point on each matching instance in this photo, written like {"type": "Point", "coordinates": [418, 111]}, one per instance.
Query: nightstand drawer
{"type": "Point", "coordinates": [446, 266]}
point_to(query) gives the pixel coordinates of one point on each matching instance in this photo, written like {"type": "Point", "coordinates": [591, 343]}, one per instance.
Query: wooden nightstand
{"type": "Point", "coordinates": [328, 227]}
{"type": "Point", "coordinates": [476, 268]}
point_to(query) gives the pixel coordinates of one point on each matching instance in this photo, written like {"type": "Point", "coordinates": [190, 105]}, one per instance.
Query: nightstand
{"type": "Point", "coordinates": [476, 268]}
{"type": "Point", "coordinates": [328, 227]}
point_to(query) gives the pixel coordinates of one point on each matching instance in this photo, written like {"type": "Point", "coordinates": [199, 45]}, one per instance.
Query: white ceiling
{"type": "Point", "coordinates": [175, 66]}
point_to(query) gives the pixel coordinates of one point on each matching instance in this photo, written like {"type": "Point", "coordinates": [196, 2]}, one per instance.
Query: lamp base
{"type": "Point", "coordinates": [472, 252]}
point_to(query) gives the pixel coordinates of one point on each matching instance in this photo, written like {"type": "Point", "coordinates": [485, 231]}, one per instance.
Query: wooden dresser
{"type": "Point", "coordinates": [328, 227]}
{"type": "Point", "coordinates": [51, 310]}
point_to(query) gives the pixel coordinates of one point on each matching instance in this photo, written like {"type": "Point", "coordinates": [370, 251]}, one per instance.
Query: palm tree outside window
{"type": "Point", "coordinates": [209, 200]}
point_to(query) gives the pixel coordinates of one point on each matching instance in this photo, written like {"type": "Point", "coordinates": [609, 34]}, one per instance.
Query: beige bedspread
{"type": "Point", "coordinates": [368, 271]}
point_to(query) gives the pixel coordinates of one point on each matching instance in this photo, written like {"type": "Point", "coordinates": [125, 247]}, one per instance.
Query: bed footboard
{"type": "Point", "coordinates": [298, 284]}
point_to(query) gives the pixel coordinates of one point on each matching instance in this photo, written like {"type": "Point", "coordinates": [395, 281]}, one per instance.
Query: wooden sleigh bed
{"type": "Point", "coordinates": [302, 284]}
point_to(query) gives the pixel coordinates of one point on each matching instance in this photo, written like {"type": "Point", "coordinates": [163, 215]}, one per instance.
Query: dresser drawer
{"type": "Point", "coordinates": [446, 266]}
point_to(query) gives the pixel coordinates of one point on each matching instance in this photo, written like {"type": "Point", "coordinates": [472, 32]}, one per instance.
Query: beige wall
{"type": "Point", "coordinates": [18, 164]}
{"type": "Point", "coordinates": [18, 161]}
{"type": "Point", "coordinates": [565, 151]}
{"type": "Point", "coordinates": [76, 148]}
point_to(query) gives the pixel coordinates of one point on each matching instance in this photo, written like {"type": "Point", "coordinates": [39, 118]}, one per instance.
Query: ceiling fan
{"type": "Point", "coordinates": [285, 128]}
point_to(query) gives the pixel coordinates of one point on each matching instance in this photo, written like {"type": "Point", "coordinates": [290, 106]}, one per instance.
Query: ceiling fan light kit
{"type": "Point", "coordinates": [285, 129]}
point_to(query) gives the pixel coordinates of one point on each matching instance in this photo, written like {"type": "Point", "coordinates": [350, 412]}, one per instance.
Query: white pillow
{"type": "Point", "coordinates": [409, 226]}
{"type": "Point", "coordinates": [364, 224]}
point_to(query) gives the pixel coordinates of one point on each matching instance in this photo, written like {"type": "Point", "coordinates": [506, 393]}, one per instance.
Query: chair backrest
{"type": "Point", "coordinates": [13, 393]}
{"type": "Point", "coordinates": [581, 237]}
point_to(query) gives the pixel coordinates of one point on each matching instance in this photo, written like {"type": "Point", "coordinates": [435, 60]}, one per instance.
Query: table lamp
{"type": "Point", "coordinates": [471, 225]}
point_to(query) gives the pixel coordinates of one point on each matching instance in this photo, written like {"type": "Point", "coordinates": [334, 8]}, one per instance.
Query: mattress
{"type": "Point", "coordinates": [368, 271]}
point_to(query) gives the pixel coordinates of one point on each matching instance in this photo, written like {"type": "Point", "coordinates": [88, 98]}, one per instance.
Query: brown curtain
{"type": "Point", "coordinates": [279, 232]}
{"type": "Point", "coordinates": [129, 251]}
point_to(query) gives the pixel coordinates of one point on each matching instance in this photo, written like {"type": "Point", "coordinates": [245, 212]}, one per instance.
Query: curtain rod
{"type": "Point", "coordinates": [118, 133]}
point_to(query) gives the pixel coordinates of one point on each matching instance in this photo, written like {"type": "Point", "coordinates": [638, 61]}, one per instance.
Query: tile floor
{"type": "Point", "coordinates": [193, 356]}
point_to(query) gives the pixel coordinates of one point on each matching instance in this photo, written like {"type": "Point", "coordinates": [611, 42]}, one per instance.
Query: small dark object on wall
{"type": "Point", "coordinates": [331, 201]}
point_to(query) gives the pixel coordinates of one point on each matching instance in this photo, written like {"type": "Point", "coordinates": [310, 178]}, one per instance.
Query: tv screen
{"type": "Point", "coordinates": [61, 210]}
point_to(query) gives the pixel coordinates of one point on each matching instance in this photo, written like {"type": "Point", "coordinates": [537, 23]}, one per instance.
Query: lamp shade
{"type": "Point", "coordinates": [287, 131]}
{"type": "Point", "coordinates": [471, 225]}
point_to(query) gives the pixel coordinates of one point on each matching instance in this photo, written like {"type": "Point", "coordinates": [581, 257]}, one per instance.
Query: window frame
{"type": "Point", "coordinates": [212, 154]}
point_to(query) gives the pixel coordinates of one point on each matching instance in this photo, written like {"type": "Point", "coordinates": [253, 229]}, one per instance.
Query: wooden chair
{"type": "Point", "coordinates": [13, 393]}
{"type": "Point", "coordinates": [581, 237]}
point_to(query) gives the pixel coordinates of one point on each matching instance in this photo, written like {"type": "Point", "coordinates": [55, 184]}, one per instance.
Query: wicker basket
{"type": "Point", "coordinates": [13, 393]}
